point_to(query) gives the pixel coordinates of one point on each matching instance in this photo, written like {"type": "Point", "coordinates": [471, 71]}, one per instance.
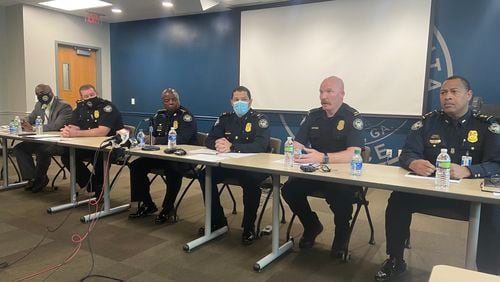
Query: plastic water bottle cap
{"type": "Point", "coordinates": [444, 150]}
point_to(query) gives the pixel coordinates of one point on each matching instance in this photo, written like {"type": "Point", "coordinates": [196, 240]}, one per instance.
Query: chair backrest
{"type": "Point", "coordinates": [275, 145]}
{"type": "Point", "coordinates": [365, 154]}
{"type": "Point", "coordinates": [130, 128]}
{"type": "Point", "coordinates": [200, 138]}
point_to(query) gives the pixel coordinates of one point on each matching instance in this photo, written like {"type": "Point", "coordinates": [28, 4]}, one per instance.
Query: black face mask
{"type": "Point", "coordinates": [92, 102]}
{"type": "Point", "coordinates": [44, 99]}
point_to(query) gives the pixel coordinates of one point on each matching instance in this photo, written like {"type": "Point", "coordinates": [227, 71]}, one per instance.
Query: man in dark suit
{"type": "Point", "coordinates": [54, 113]}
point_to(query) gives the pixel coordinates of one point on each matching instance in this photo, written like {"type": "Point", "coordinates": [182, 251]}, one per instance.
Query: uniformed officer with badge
{"type": "Point", "coordinates": [333, 132]}
{"type": "Point", "coordinates": [241, 131]}
{"type": "Point", "coordinates": [473, 143]}
{"type": "Point", "coordinates": [176, 116]}
{"type": "Point", "coordinates": [92, 117]}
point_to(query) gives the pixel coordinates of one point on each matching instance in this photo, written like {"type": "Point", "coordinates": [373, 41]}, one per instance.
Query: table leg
{"type": "Point", "coordinates": [106, 198]}
{"type": "Point", "coordinates": [73, 202]}
{"type": "Point", "coordinates": [277, 251]}
{"type": "Point", "coordinates": [209, 235]}
{"type": "Point", "coordinates": [473, 234]}
{"type": "Point", "coordinates": [5, 165]}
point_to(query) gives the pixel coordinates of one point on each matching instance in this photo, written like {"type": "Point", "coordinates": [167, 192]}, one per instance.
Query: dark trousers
{"type": "Point", "coordinates": [340, 197]}
{"type": "Point", "coordinates": [24, 155]}
{"type": "Point", "coordinates": [82, 173]}
{"type": "Point", "coordinates": [401, 206]}
{"type": "Point", "coordinates": [249, 181]}
{"type": "Point", "coordinates": [140, 183]}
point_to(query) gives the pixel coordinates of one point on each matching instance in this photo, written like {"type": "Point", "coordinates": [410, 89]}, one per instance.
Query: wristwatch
{"type": "Point", "coordinates": [326, 158]}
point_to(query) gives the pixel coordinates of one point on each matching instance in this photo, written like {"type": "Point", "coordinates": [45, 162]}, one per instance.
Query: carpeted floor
{"type": "Point", "coordinates": [139, 250]}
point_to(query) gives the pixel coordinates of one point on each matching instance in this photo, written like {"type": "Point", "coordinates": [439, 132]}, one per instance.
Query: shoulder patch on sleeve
{"type": "Point", "coordinates": [417, 125]}
{"type": "Point", "coordinates": [494, 127]}
{"type": "Point", "coordinates": [357, 123]}
{"type": "Point", "coordinates": [187, 118]}
{"type": "Point", "coordinates": [108, 109]}
{"type": "Point", "coordinates": [263, 123]}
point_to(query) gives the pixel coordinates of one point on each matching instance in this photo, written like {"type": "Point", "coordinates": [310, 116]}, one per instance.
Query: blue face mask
{"type": "Point", "coordinates": [241, 108]}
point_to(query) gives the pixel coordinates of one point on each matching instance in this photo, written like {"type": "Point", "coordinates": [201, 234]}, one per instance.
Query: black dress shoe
{"type": "Point", "coordinates": [29, 185]}
{"type": "Point", "coordinates": [39, 185]}
{"type": "Point", "coordinates": [391, 268]}
{"type": "Point", "coordinates": [309, 237]}
{"type": "Point", "coordinates": [166, 215]}
{"type": "Point", "coordinates": [248, 237]}
{"type": "Point", "coordinates": [215, 226]}
{"type": "Point", "coordinates": [143, 211]}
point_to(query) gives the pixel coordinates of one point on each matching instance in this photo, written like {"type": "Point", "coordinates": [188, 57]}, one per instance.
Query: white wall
{"type": "Point", "coordinates": [13, 96]}
{"type": "Point", "coordinates": [3, 44]}
{"type": "Point", "coordinates": [42, 29]}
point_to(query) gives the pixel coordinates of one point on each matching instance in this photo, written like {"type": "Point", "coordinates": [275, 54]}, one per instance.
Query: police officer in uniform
{"type": "Point", "coordinates": [176, 116]}
{"type": "Point", "coordinates": [242, 131]}
{"type": "Point", "coordinates": [92, 117]}
{"type": "Point", "coordinates": [472, 140]}
{"type": "Point", "coordinates": [333, 131]}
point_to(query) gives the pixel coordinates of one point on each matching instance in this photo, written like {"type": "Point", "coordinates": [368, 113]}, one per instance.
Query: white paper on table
{"type": "Point", "coordinates": [203, 151]}
{"type": "Point", "coordinates": [236, 155]}
{"type": "Point", "coordinates": [55, 139]}
{"type": "Point", "coordinates": [44, 136]}
{"type": "Point", "coordinates": [205, 157]}
{"type": "Point", "coordinates": [412, 174]}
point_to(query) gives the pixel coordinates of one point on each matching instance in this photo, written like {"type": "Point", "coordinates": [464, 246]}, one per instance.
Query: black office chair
{"type": "Point", "coordinates": [359, 200]}
{"type": "Point", "coordinates": [193, 174]}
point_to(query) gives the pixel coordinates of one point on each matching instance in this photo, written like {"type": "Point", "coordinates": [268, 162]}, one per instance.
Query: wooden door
{"type": "Point", "coordinates": [76, 67]}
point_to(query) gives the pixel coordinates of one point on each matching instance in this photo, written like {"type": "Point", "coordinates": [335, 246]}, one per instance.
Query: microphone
{"type": "Point", "coordinates": [120, 138]}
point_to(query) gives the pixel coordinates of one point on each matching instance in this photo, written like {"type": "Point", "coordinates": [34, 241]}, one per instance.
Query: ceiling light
{"type": "Point", "coordinates": [207, 4]}
{"type": "Point", "coordinates": [72, 5]}
{"type": "Point", "coordinates": [167, 4]}
{"type": "Point", "coordinates": [116, 10]}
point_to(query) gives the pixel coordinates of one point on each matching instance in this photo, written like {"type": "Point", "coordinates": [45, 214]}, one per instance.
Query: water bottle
{"type": "Point", "coordinates": [172, 138]}
{"type": "Point", "coordinates": [289, 152]}
{"type": "Point", "coordinates": [39, 125]}
{"type": "Point", "coordinates": [151, 135]}
{"type": "Point", "coordinates": [356, 163]}
{"type": "Point", "coordinates": [141, 138]}
{"type": "Point", "coordinates": [443, 164]}
{"type": "Point", "coordinates": [12, 127]}
{"type": "Point", "coordinates": [17, 123]}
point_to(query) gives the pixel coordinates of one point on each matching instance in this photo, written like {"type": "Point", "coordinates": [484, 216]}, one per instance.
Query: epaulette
{"type": "Point", "coordinates": [225, 114]}
{"type": "Point", "coordinates": [182, 110]}
{"type": "Point", "coordinates": [433, 113]}
{"type": "Point", "coordinates": [485, 118]}
{"type": "Point", "coordinates": [314, 111]}
{"type": "Point", "coordinates": [351, 110]}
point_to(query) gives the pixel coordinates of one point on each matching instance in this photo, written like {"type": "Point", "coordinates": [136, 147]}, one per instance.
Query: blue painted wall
{"type": "Point", "coordinates": [199, 56]}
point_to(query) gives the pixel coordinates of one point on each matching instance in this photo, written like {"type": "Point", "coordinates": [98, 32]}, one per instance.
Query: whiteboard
{"type": "Point", "coordinates": [378, 47]}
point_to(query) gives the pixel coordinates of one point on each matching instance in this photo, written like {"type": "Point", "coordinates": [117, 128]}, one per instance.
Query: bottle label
{"type": "Point", "coordinates": [288, 149]}
{"type": "Point", "coordinates": [356, 165]}
{"type": "Point", "coordinates": [443, 164]}
{"type": "Point", "coordinates": [466, 161]}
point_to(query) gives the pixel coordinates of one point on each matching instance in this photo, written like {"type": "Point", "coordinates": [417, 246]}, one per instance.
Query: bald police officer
{"type": "Point", "coordinates": [333, 131]}
{"type": "Point", "coordinates": [92, 117]}
{"type": "Point", "coordinates": [176, 116]}
{"type": "Point", "coordinates": [466, 135]}
{"type": "Point", "coordinates": [242, 131]}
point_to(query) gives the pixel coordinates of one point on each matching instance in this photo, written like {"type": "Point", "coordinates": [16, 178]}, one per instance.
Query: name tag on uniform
{"type": "Point", "coordinates": [466, 161]}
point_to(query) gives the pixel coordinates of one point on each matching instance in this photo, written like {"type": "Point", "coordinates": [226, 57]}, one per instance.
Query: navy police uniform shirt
{"type": "Point", "coordinates": [334, 134]}
{"type": "Point", "coordinates": [473, 135]}
{"type": "Point", "coordinates": [181, 120]}
{"type": "Point", "coordinates": [248, 134]}
{"type": "Point", "coordinates": [89, 115]}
